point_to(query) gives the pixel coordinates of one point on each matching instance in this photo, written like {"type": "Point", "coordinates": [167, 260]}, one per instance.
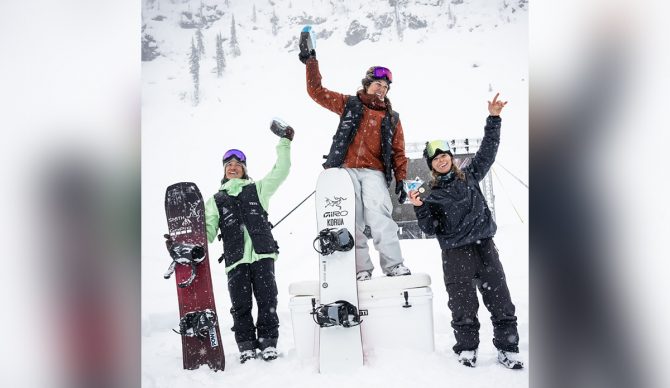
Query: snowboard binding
{"type": "Point", "coordinates": [331, 240]}
{"type": "Point", "coordinates": [185, 254]}
{"type": "Point", "coordinates": [339, 313]}
{"type": "Point", "coordinates": [197, 324]}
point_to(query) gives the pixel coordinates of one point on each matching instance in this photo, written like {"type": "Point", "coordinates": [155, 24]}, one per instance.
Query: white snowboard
{"type": "Point", "coordinates": [340, 348]}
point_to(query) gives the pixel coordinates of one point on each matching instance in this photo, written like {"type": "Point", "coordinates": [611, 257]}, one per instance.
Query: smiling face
{"type": "Point", "coordinates": [234, 169]}
{"type": "Point", "coordinates": [379, 88]}
{"type": "Point", "coordinates": [442, 163]}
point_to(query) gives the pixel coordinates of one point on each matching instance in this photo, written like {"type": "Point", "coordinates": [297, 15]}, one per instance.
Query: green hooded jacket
{"type": "Point", "coordinates": [265, 187]}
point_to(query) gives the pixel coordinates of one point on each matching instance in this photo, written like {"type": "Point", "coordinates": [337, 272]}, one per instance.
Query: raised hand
{"type": "Point", "coordinates": [281, 129]}
{"type": "Point", "coordinates": [289, 133]}
{"type": "Point", "coordinates": [495, 106]}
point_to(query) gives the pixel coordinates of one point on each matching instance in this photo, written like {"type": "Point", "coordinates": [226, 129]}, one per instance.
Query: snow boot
{"type": "Point", "coordinates": [269, 353]}
{"type": "Point", "coordinates": [399, 270]}
{"type": "Point", "coordinates": [247, 355]}
{"type": "Point", "coordinates": [468, 358]}
{"type": "Point", "coordinates": [509, 360]}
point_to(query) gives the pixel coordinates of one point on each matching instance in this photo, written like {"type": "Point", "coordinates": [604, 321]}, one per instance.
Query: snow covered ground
{"type": "Point", "coordinates": [443, 78]}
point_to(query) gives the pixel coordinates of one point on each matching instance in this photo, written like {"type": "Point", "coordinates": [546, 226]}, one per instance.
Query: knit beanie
{"type": "Point", "coordinates": [370, 77]}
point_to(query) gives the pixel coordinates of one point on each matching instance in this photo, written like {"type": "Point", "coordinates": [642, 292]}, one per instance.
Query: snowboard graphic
{"type": "Point", "coordinates": [185, 212]}
{"type": "Point", "coordinates": [340, 346]}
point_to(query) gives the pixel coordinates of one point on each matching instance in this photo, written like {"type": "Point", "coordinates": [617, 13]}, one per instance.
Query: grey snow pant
{"type": "Point", "coordinates": [374, 208]}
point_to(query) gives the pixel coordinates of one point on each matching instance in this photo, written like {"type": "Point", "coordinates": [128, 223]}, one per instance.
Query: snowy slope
{"type": "Point", "coordinates": [444, 73]}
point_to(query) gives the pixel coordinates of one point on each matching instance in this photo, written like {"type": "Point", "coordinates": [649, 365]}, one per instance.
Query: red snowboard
{"type": "Point", "coordinates": [185, 212]}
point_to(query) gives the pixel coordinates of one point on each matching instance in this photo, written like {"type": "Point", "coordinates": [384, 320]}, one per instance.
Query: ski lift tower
{"type": "Point", "coordinates": [464, 150]}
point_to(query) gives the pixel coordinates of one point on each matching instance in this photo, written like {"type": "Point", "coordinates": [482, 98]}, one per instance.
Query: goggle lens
{"type": "Point", "coordinates": [237, 154]}
{"type": "Point", "coordinates": [382, 72]}
{"type": "Point", "coordinates": [435, 145]}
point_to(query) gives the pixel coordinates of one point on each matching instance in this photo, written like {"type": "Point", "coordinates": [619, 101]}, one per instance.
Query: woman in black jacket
{"type": "Point", "coordinates": [456, 212]}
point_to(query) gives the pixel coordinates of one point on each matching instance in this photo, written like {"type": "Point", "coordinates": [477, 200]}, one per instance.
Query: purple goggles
{"type": "Point", "coordinates": [237, 154]}
{"type": "Point", "coordinates": [382, 72]}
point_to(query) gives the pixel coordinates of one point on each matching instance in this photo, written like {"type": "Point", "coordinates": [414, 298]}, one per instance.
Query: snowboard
{"type": "Point", "coordinates": [340, 346]}
{"type": "Point", "coordinates": [185, 212]}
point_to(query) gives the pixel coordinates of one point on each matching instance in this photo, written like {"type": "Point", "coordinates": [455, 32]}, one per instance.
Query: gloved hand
{"type": "Point", "coordinates": [169, 242]}
{"type": "Point", "coordinates": [400, 191]}
{"type": "Point", "coordinates": [288, 133]}
{"type": "Point", "coordinates": [305, 55]}
{"type": "Point", "coordinates": [281, 129]}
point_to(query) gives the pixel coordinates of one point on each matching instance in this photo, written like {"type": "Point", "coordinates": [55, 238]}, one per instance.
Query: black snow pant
{"type": "Point", "coordinates": [257, 278]}
{"type": "Point", "coordinates": [472, 267]}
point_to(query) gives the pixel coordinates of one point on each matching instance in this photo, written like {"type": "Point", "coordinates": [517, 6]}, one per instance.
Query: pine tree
{"type": "Point", "coordinates": [235, 47]}
{"type": "Point", "coordinates": [199, 38]}
{"type": "Point", "coordinates": [253, 15]}
{"type": "Point", "coordinates": [398, 22]}
{"type": "Point", "coordinates": [194, 60]}
{"type": "Point", "coordinates": [220, 57]}
{"type": "Point", "coordinates": [451, 17]}
{"type": "Point", "coordinates": [275, 23]}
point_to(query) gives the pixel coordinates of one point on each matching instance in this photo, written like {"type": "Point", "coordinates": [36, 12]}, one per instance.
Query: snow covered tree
{"type": "Point", "coordinates": [275, 23]}
{"type": "Point", "coordinates": [398, 19]}
{"type": "Point", "coordinates": [220, 57]}
{"type": "Point", "coordinates": [235, 47]}
{"type": "Point", "coordinates": [253, 15]}
{"type": "Point", "coordinates": [149, 46]}
{"type": "Point", "coordinates": [194, 62]}
{"type": "Point", "coordinates": [199, 39]}
{"type": "Point", "coordinates": [451, 17]}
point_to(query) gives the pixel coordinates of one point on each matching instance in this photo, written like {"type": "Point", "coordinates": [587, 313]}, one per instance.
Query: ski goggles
{"type": "Point", "coordinates": [236, 154]}
{"type": "Point", "coordinates": [380, 72]}
{"type": "Point", "coordinates": [435, 146]}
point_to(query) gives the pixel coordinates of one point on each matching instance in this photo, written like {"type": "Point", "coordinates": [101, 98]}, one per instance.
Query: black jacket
{"type": "Point", "coordinates": [456, 210]}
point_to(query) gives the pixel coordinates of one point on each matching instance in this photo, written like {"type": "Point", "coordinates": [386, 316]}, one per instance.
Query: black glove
{"type": "Point", "coordinates": [400, 191]}
{"type": "Point", "coordinates": [288, 133]}
{"type": "Point", "coordinates": [304, 56]}
{"type": "Point", "coordinates": [169, 242]}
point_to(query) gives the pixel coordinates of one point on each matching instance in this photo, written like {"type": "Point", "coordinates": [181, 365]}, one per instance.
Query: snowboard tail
{"type": "Point", "coordinates": [185, 211]}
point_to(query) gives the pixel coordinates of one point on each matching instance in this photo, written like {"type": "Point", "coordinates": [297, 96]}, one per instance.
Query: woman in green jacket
{"type": "Point", "coordinates": [239, 211]}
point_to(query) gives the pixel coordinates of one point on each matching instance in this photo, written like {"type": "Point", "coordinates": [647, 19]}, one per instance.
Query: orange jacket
{"type": "Point", "coordinates": [365, 150]}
